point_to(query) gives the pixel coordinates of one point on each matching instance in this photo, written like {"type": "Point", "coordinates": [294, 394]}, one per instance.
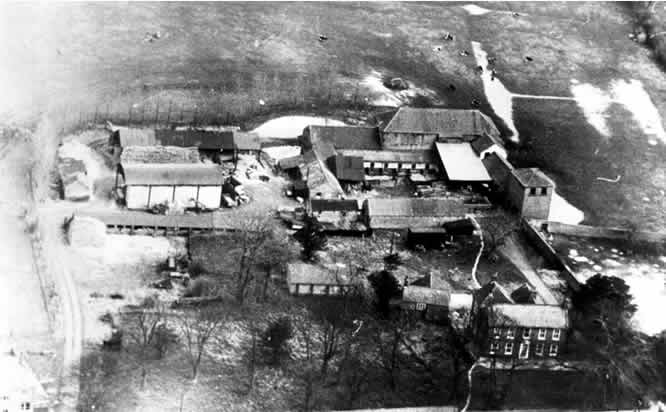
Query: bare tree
{"type": "Point", "coordinates": [251, 238]}
{"type": "Point", "coordinates": [197, 329]}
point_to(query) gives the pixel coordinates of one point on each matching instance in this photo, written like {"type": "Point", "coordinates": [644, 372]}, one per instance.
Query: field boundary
{"type": "Point", "coordinates": [600, 232]}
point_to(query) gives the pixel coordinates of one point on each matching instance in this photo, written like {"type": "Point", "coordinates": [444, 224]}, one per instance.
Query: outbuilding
{"type": "Point", "coordinates": [530, 191]}
{"type": "Point", "coordinates": [310, 279]}
{"type": "Point", "coordinates": [147, 185]}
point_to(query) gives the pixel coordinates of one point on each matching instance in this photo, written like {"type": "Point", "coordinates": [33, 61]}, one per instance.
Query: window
{"type": "Point", "coordinates": [25, 406]}
{"type": "Point", "coordinates": [524, 351]}
{"type": "Point", "coordinates": [542, 334]}
{"type": "Point", "coordinates": [508, 348]}
{"type": "Point", "coordinates": [526, 333]}
{"type": "Point", "coordinates": [539, 349]}
{"type": "Point", "coordinates": [533, 191]}
{"type": "Point", "coordinates": [496, 332]}
{"type": "Point", "coordinates": [553, 350]}
{"type": "Point", "coordinates": [510, 333]}
{"type": "Point", "coordinates": [494, 347]}
{"type": "Point", "coordinates": [544, 191]}
{"type": "Point", "coordinates": [556, 334]}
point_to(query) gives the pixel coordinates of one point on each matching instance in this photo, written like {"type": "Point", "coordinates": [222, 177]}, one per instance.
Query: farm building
{"type": "Point", "coordinates": [394, 163]}
{"type": "Point", "coordinates": [342, 137]}
{"type": "Point", "coordinates": [159, 154]}
{"type": "Point", "coordinates": [403, 213]}
{"type": "Point", "coordinates": [432, 303]}
{"type": "Point", "coordinates": [530, 191]}
{"type": "Point", "coordinates": [418, 129]}
{"type": "Point", "coordinates": [338, 216]}
{"type": "Point", "coordinates": [347, 168]}
{"type": "Point", "coordinates": [460, 164]}
{"type": "Point", "coordinates": [232, 141]}
{"type": "Point", "coordinates": [310, 279]}
{"type": "Point", "coordinates": [427, 237]}
{"type": "Point", "coordinates": [499, 170]}
{"type": "Point", "coordinates": [320, 180]}
{"type": "Point", "coordinates": [146, 185]}
{"type": "Point", "coordinates": [20, 389]}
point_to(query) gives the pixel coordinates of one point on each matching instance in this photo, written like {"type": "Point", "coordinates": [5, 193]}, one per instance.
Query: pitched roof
{"type": "Point", "coordinates": [415, 156]}
{"type": "Point", "coordinates": [319, 179]}
{"type": "Point", "coordinates": [346, 137]}
{"type": "Point", "coordinates": [335, 205]}
{"type": "Point", "coordinates": [443, 122]}
{"type": "Point", "coordinates": [533, 177]}
{"type": "Point", "coordinates": [498, 168]}
{"type": "Point", "coordinates": [306, 273]}
{"type": "Point", "coordinates": [485, 142]}
{"type": "Point", "coordinates": [347, 167]}
{"type": "Point", "coordinates": [418, 207]}
{"type": "Point", "coordinates": [129, 136]}
{"type": "Point", "coordinates": [532, 316]}
{"type": "Point", "coordinates": [524, 294]}
{"type": "Point", "coordinates": [173, 174]}
{"type": "Point", "coordinates": [421, 294]}
{"type": "Point", "coordinates": [203, 139]}
{"type": "Point", "coordinates": [291, 162]}
{"type": "Point", "coordinates": [460, 162]}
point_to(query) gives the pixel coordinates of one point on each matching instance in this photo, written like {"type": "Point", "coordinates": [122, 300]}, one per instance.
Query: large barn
{"type": "Point", "coordinates": [147, 185]}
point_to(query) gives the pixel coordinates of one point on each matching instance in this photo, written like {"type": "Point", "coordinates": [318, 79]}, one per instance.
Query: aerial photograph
{"type": "Point", "coordinates": [333, 206]}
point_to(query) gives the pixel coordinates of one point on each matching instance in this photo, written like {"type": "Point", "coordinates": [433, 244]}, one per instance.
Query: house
{"type": "Point", "coordinates": [305, 279]}
{"type": "Point", "coordinates": [418, 129]}
{"type": "Point", "coordinates": [404, 213]}
{"type": "Point", "coordinates": [146, 185]}
{"type": "Point", "coordinates": [20, 389]}
{"type": "Point", "coordinates": [460, 164]}
{"type": "Point", "coordinates": [530, 191]}
{"type": "Point", "coordinates": [522, 331]}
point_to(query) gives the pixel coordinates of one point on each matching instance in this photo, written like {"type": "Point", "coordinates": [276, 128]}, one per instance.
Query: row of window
{"type": "Point", "coordinates": [398, 165]}
{"type": "Point", "coordinates": [542, 191]}
{"type": "Point", "coordinates": [527, 333]}
{"type": "Point", "coordinates": [524, 349]}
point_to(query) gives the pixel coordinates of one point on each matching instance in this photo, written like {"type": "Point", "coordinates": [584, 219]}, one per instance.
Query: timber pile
{"type": "Point", "coordinates": [159, 154]}
{"type": "Point", "coordinates": [86, 232]}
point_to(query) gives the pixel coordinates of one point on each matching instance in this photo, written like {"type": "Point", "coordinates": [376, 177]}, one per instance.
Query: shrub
{"type": "Point", "coordinates": [198, 288]}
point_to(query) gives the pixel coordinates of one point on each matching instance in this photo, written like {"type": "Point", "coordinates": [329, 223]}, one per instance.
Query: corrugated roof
{"type": "Point", "coordinates": [461, 164]}
{"type": "Point", "coordinates": [346, 137]}
{"type": "Point", "coordinates": [418, 207]}
{"type": "Point", "coordinates": [421, 294]}
{"type": "Point", "coordinates": [416, 156]}
{"type": "Point", "coordinates": [533, 177]}
{"type": "Point", "coordinates": [173, 174]}
{"type": "Point", "coordinates": [532, 316]}
{"type": "Point", "coordinates": [305, 273]}
{"type": "Point", "coordinates": [443, 122]}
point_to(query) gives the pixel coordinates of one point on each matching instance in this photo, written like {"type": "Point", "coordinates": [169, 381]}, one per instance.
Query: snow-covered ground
{"type": "Point", "coordinates": [383, 96]}
{"type": "Point", "coordinates": [282, 152]}
{"type": "Point", "coordinates": [631, 95]}
{"type": "Point", "coordinates": [563, 211]}
{"type": "Point", "coordinates": [500, 99]}
{"type": "Point", "coordinates": [475, 10]}
{"type": "Point", "coordinates": [646, 279]}
{"type": "Point", "coordinates": [289, 127]}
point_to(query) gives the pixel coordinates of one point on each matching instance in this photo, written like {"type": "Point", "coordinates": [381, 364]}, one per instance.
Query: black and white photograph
{"type": "Point", "coordinates": [371, 206]}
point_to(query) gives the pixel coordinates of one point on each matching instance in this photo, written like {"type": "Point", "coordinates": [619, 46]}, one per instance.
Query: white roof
{"type": "Point", "coordinates": [460, 301]}
{"type": "Point", "coordinates": [461, 163]}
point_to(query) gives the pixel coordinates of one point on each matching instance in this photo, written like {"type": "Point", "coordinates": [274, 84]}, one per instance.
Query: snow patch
{"type": "Point", "coordinates": [383, 96]}
{"type": "Point", "coordinates": [593, 102]}
{"type": "Point", "coordinates": [475, 10]}
{"type": "Point", "coordinates": [632, 95]}
{"type": "Point", "coordinates": [282, 152]}
{"type": "Point", "coordinates": [500, 99]}
{"type": "Point", "coordinates": [289, 127]}
{"type": "Point", "coordinates": [563, 211]}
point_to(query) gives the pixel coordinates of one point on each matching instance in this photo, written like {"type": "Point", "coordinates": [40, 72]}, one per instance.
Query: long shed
{"type": "Point", "coordinates": [146, 185]}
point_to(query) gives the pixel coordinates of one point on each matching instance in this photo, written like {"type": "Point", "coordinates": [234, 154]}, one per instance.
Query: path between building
{"type": "Point", "coordinates": [512, 250]}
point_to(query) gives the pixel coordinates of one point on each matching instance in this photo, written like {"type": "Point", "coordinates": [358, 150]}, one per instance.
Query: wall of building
{"type": "Point", "coordinates": [144, 197]}
{"type": "Point", "coordinates": [210, 196]}
{"type": "Point", "coordinates": [137, 197]}
{"type": "Point", "coordinates": [408, 141]}
{"type": "Point", "coordinates": [519, 339]}
{"type": "Point", "coordinates": [160, 194]}
{"type": "Point", "coordinates": [530, 206]}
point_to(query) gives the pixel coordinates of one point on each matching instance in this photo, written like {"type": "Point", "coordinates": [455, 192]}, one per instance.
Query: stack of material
{"type": "Point", "coordinates": [86, 232]}
{"type": "Point", "coordinates": [75, 181]}
{"type": "Point", "coordinates": [159, 154]}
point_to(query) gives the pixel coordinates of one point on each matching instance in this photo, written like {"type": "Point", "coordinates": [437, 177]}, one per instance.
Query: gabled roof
{"type": "Point", "coordinates": [524, 294]}
{"type": "Point", "coordinates": [129, 136]}
{"type": "Point", "coordinates": [533, 177]}
{"type": "Point", "coordinates": [443, 122]}
{"type": "Point", "coordinates": [203, 139]}
{"type": "Point", "coordinates": [498, 168]}
{"type": "Point", "coordinates": [417, 207]}
{"type": "Point", "coordinates": [173, 174]}
{"type": "Point", "coordinates": [348, 168]}
{"type": "Point", "coordinates": [305, 273]}
{"type": "Point", "coordinates": [528, 316]}
{"type": "Point", "coordinates": [334, 205]}
{"type": "Point", "coordinates": [319, 179]}
{"type": "Point", "coordinates": [485, 142]}
{"type": "Point", "coordinates": [346, 137]}
{"type": "Point", "coordinates": [461, 164]}
{"type": "Point", "coordinates": [429, 296]}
